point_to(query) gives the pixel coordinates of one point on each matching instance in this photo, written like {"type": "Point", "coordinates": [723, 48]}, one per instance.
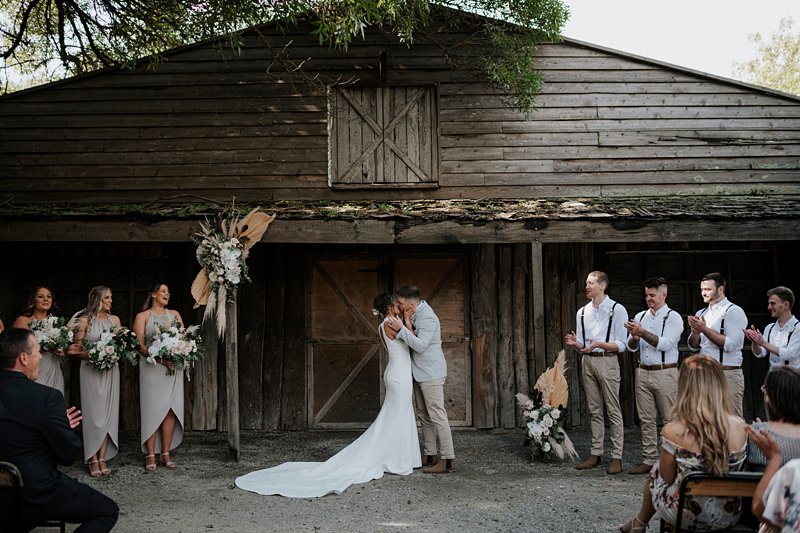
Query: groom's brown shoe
{"type": "Point", "coordinates": [429, 460]}
{"type": "Point", "coordinates": [444, 466]}
{"type": "Point", "coordinates": [614, 467]}
{"type": "Point", "coordinates": [590, 462]}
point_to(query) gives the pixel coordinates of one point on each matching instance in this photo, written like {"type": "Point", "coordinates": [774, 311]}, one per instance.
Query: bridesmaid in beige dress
{"type": "Point", "coordinates": [39, 306]}
{"type": "Point", "coordinates": [99, 388]}
{"type": "Point", "coordinates": [160, 394]}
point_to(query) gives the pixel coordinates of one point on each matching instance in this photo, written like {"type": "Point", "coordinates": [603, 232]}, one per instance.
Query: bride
{"type": "Point", "coordinates": [389, 445]}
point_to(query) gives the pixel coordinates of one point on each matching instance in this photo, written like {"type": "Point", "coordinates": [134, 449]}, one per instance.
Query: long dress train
{"type": "Point", "coordinates": [390, 444]}
{"type": "Point", "coordinates": [159, 392]}
{"type": "Point", "coordinates": [99, 400]}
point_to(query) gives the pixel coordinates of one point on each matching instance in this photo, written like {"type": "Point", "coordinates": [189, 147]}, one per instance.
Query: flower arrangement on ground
{"type": "Point", "coordinates": [182, 346]}
{"type": "Point", "coordinates": [543, 413]}
{"type": "Point", "coordinates": [52, 333]}
{"type": "Point", "coordinates": [112, 347]}
{"type": "Point", "coordinates": [223, 245]}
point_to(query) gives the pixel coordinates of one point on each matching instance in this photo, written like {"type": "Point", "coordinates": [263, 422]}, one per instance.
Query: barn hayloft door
{"type": "Point", "coordinates": [346, 359]}
{"type": "Point", "coordinates": [383, 136]}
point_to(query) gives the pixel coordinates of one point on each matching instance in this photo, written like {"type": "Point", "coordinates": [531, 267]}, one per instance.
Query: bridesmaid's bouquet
{"type": "Point", "coordinates": [112, 347]}
{"type": "Point", "coordinates": [182, 346]}
{"type": "Point", "coordinates": [52, 333]}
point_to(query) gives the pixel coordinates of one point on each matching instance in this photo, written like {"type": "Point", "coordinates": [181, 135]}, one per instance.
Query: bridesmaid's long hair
{"type": "Point", "coordinates": [703, 406]}
{"type": "Point", "coordinates": [94, 303]}
{"type": "Point", "coordinates": [148, 299]}
{"type": "Point", "coordinates": [30, 305]}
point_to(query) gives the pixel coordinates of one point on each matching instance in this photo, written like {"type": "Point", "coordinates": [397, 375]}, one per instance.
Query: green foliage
{"type": "Point", "coordinates": [49, 39]}
{"type": "Point", "coordinates": [778, 63]}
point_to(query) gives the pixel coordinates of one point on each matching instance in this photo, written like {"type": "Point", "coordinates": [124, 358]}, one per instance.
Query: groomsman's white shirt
{"type": "Point", "coordinates": [735, 323]}
{"type": "Point", "coordinates": [788, 346]}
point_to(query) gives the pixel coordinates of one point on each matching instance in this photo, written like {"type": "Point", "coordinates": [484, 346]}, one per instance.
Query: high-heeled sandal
{"type": "Point", "coordinates": [635, 526]}
{"type": "Point", "coordinates": [150, 466]}
{"type": "Point", "coordinates": [94, 472]}
{"type": "Point", "coordinates": [167, 462]}
{"type": "Point", "coordinates": [104, 469]}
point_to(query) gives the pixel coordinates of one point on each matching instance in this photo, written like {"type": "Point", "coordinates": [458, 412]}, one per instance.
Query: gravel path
{"type": "Point", "coordinates": [495, 488]}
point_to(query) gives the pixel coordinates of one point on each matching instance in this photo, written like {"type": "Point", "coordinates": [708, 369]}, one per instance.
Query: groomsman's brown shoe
{"type": "Point", "coordinates": [643, 468]}
{"type": "Point", "coordinates": [444, 466]}
{"type": "Point", "coordinates": [590, 462]}
{"type": "Point", "coordinates": [614, 467]}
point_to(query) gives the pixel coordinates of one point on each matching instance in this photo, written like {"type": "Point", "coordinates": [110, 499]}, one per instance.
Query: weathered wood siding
{"type": "Point", "coordinates": [200, 124]}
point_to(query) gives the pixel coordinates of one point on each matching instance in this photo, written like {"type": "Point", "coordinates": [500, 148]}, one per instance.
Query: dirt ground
{"type": "Point", "coordinates": [495, 488]}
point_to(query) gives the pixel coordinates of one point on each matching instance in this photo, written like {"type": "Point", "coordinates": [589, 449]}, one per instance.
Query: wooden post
{"type": "Point", "coordinates": [232, 379]}
{"type": "Point", "coordinates": [537, 361]}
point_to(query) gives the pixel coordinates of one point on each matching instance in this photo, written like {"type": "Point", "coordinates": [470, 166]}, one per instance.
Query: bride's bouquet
{"type": "Point", "coordinates": [52, 333]}
{"type": "Point", "coordinates": [112, 347]}
{"type": "Point", "coordinates": [182, 346]}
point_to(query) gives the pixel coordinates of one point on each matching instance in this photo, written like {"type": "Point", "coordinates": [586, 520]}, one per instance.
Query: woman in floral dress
{"type": "Point", "coordinates": [99, 388]}
{"type": "Point", "coordinates": [160, 392]}
{"type": "Point", "coordinates": [41, 304]}
{"type": "Point", "coordinates": [703, 435]}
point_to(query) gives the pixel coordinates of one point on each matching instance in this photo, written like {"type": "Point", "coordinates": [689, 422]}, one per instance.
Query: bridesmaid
{"type": "Point", "coordinates": [161, 395]}
{"type": "Point", "coordinates": [39, 306]}
{"type": "Point", "coordinates": [99, 388]}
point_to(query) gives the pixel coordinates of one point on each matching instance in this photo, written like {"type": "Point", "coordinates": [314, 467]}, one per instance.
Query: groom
{"type": "Point", "coordinates": [422, 333]}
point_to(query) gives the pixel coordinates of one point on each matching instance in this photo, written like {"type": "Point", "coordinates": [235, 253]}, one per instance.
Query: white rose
{"type": "Point", "coordinates": [548, 421]}
{"type": "Point", "coordinates": [555, 413]}
{"type": "Point", "coordinates": [534, 429]}
{"type": "Point", "coordinates": [545, 446]}
{"type": "Point", "coordinates": [546, 432]}
{"type": "Point", "coordinates": [535, 414]}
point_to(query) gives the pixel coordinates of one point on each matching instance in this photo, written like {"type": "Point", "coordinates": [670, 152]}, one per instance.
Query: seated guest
{"type": "Point", "coordinates": [703, 435]}
{"type": "Point", "coordinates": [775, 501]}
{"type": "Point", "coordinates": [37, 435]}
{"type": "Point", "coordinates": [781, 393]}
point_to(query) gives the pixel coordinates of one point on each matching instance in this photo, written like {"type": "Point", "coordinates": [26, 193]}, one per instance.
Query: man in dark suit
{"type": "Point", "coordinates": [37, 435]}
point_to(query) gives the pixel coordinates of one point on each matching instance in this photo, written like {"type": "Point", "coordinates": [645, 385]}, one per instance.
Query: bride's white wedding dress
{"type": "Point", "coordinates": [389, 445]}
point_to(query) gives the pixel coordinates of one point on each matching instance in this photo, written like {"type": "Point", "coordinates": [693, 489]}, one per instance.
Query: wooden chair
{"type": "Point", "coordinates": [735, 484]}
{"type": "Point", "coordinates": [11, 501]}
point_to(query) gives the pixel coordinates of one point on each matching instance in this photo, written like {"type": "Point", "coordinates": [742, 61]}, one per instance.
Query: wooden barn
{"type": "Point", "coordinates": [387, 165]}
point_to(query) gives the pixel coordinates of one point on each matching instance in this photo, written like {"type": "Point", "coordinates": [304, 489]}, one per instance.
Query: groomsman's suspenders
{"type": "Point", "coordinates": [610, 321]}
{"type": "Point", "coordinates": [663, 325]}
{"type": "Point", "coordinates": [791, 332]}
{"type": "Point", "coordinates": [721, 329]}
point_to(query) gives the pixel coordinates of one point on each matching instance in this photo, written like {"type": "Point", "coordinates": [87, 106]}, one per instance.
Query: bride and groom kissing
{"type": "Point", "coordinates": [411, 333]}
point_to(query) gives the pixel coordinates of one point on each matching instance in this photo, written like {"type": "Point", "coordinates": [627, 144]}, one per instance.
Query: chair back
{"type": "Point", "coordinates": [733, 484]}
{"type": "Point", "coordinates": [10, 497]}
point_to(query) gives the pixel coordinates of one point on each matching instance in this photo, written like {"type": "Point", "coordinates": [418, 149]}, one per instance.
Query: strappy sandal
{"type": "Point", "coordinates": [165, 460]}
{"type": "Point", "coordinates": [93, 472]}
{"type": "Point", "coordinates": [104, 469]}
{"type": "Point", "coordinates": [150, 466]}
{"type": "Point", "coordinates": [634, 526]}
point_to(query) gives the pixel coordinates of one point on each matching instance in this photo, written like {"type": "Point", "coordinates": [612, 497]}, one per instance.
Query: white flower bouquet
{"type": "Point", "coordinates": [112, 347]}
{"type": "Point", "coordinates": [52, 333]}
{"type": "Point", "coordinates": [182, 346]}
{"type": "Point", "coordinates": [545, 428]}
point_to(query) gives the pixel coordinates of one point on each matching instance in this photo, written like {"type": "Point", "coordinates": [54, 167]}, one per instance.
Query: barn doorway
{"type": "Point", "coordinates": [346, 360]}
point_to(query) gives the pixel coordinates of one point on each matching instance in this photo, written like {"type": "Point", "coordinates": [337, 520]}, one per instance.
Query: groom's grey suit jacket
{"type": "Point", "coordinates": [427, 357]}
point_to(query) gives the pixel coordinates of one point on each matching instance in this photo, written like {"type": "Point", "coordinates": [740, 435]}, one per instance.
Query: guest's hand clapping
{"type": "Point", "coordinates": [765, 442]}
{"type": "Point", "coordinates": [74, 416]}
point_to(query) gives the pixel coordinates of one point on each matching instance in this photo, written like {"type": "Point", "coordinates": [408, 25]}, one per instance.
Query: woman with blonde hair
{"type": "Point", "coordinates": [703, 435]}
{"type": "Point", "coordinates": [99, 388]}
{"type": "Point", "coordinates": [160, 392]}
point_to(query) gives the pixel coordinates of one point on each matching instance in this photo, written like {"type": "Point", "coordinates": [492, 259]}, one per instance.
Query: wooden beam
{"type": "Point", "coordinates": [505, 325]}
{"type": "Point", "coordinates": [232, 380]}
{"type": "Point", "coordinates": [520, 314]}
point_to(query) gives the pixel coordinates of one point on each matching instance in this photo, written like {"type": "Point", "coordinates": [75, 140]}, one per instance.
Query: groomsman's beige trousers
{"type": "Point", "coordinates": [429, 404]}
{"type": "Point", "coordinates": [601, 379]}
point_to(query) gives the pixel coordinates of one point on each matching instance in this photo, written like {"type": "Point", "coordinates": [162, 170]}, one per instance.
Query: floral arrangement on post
{"type": "Point", "coordinates": [183, 346]}
{"type": "Point", "coordinates": [223, 245]}
{"type": "Point", "coordinates": [543, 413]}
{"type": "Point", "coordinates": [112, 347]}
{"type": "Point", "coordinates": [52, 333]}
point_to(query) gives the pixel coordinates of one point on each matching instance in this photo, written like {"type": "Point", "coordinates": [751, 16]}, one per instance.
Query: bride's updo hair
{"type": "Point", "coordinates": [382, 303]}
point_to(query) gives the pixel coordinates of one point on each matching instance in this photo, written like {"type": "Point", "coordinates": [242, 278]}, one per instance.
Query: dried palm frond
{"type": "Point", "coordinates": [201, 289]}
{"type": "Point", "coordinates": [553, 382]}
{"type": "Point", "coordinates": [252, 227]}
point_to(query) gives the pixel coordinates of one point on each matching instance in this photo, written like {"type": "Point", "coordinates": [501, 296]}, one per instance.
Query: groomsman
{"type": "Point", "coordinates": [718, 331]}
{"type": "Point", "coordinates": [600, 338]}
{"type": "Point", "coordinates": [782, 341]}
{"type": "Point", "coordinates": [655, 333]}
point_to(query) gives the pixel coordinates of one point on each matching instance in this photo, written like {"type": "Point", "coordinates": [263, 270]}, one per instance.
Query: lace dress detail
{"type": "Point", "coordinates": [705, 513]}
